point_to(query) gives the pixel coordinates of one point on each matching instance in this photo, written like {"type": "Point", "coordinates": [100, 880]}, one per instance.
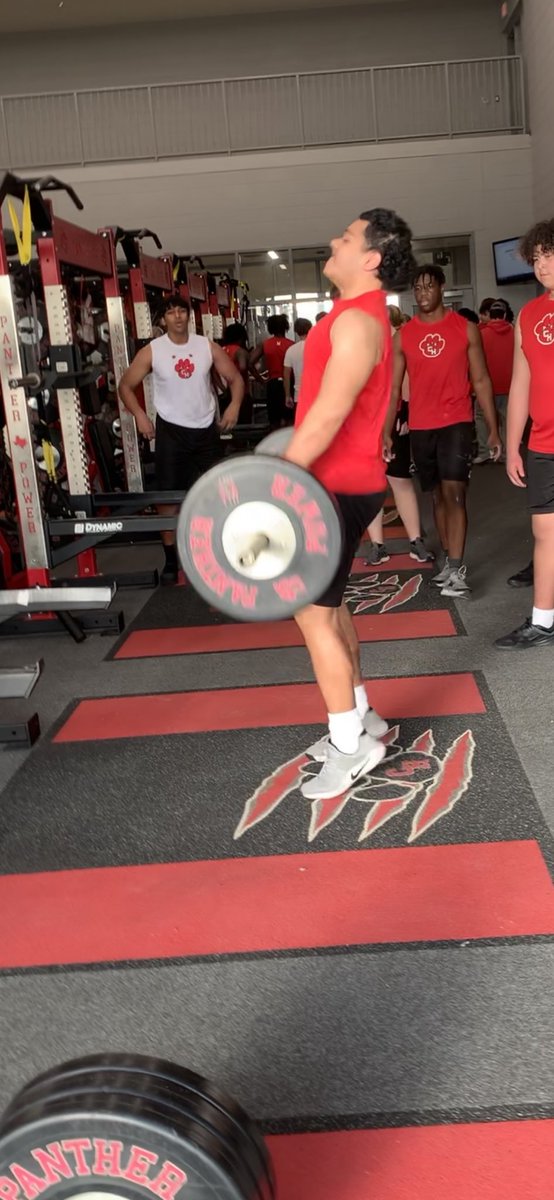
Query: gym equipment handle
{"type": "Point", "coordinates": [252, 549]}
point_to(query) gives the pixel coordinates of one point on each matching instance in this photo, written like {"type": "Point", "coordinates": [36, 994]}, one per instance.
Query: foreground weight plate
{"type": "Point", "coordinates": [276, 442]}
{"type": "Point", "coordinates": [129, 1130]}
{"type": "Point", "coordinates": [259, 538]}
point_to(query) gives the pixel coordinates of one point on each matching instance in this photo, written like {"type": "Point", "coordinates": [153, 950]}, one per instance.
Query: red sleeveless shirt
{"type": "Point", "coordinates": [537, 339]}
{"type": "Point", "coordinates": [353, 463]}
{"type": "Point", "coordinates": [438, 371]}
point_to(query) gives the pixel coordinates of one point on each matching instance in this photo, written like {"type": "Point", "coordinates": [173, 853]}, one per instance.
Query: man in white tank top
{"type": "Point", "coordinates": [187, 429]}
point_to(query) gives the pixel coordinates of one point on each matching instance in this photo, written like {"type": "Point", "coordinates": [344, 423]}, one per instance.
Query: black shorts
{"type": "Point", "coordinates": [357, 512]}
{"type": "Point", "coordinates": [276, 405]}
{"type": "Point", "coordinates": [443, 454]}
{"type": "Point", "coordinates": [400, 467]}
{"type": "Point", "coordinates": [540, 482]}
{"type": "Point", "coordinates": [183, 454]}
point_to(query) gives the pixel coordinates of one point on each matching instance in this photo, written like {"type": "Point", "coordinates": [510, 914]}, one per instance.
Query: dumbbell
{"type": "Point", "coordinates": [259, 537]}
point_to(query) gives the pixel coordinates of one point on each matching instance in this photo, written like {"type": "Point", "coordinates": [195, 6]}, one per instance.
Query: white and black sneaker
{"type": "Point", "coordinates": [340, 771]}
{"type": "Point", "coordinates": [373, 724]}
{"type": "Point", "coordinates": [443, 574]}
{"type": "Point", "coordinates": [378, 554]}
{"type": "Point", "coordinates": [456, 585]}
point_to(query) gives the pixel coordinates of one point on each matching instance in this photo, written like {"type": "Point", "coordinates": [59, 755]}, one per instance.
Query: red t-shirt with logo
{"type": "Point", "coordinates": [353, 463]}
{"type": "Point", "coordinates": [537, 339]}
{"type": "Point", "coordinates": [438, 370]}
{"type": "Point", "coordinates": [274, 349]}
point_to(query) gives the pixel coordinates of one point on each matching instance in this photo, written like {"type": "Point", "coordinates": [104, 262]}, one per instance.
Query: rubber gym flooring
{"type": "Point", "coordinates": [371, 976]}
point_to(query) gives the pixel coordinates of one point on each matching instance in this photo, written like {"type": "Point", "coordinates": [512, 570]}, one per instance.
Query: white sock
{"type": "Point", "coordinates": [543, 617]}
{"type": "Point", "coordinates": [345, 729]}
{"type": "Point", "coordinates": [362, 702]}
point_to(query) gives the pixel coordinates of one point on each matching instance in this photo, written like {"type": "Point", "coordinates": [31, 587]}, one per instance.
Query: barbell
{"type": "Point", "coordinates": [259, 537]}
{"type": "Point", "coordinates": [124, 1126]}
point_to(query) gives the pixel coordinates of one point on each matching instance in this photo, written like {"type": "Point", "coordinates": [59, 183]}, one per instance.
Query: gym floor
{"type": "Point", "coordinates": [371, 976]}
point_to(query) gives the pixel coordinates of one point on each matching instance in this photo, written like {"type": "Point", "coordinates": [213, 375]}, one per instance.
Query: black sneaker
{"type": "Point", "coordinates": [525, 637]}
{"type": "Point", "coordinates": [524, 578]}
{"type": "Point", "coordinates": [377, 554]}
{"type": "Point", "coordinates": [419, 551]}
{"type": "Point", "coordinates": [170, 573]}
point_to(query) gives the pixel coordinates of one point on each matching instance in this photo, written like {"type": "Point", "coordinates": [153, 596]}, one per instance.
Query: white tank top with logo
{"type": "Point", "coordinates": [183, 393]}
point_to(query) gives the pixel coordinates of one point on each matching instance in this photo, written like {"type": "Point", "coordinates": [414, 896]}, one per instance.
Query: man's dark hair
{"type": "Point", "coordinates": [235, 335]}
{"type": "Point", "coordinates": [429, 271]}
{"type": "Point", "coordinates": [469, 315]}
{"type": "Point", "coordinates": [173, 301]}
{"type": "Point", "coordinates": [302, 327]}
{"type": "Point", "coordinates": [485, 306]}
{"type": "Point", "coordinates": [509, 310]}
{"type": "Point", "coordinates": [319, 317]}
{"type": "Point", "coordinates": [498, 311]}
{"type": "Point", "coordinates": [541, 236]}
{"type": "Point", "coordinates": [392, 237]}
{"type": "Point", "coordinates": [278, 326]}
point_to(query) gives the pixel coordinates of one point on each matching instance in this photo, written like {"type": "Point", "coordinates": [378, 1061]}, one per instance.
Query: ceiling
{"type": "Point", "coordinates": [36, 15]}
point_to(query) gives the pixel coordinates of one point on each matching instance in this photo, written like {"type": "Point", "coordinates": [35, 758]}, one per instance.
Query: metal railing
{"type": "Point", "coordinates": [233, 116]}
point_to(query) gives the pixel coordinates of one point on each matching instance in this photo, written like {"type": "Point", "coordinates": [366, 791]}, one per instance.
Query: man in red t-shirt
{"type": "Point", "coordinates": [338, 436]}
{"type": "Point", "coordinates": [273, 351]}
{"type": "Point", "coordinates": [443, 355]}
{"type": "Point", "coordinates": [532, 395]}
{"type": "Point", "coordinates": [497, 336]}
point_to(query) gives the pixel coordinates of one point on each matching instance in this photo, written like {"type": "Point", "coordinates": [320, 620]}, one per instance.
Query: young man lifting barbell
{"type": "Point", "coordinates": [338, 437]}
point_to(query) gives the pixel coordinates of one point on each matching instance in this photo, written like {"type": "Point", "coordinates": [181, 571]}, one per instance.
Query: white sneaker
{"type": "Point", "coordinates": [443, 574]}
{"type": "Point", "coordinates": [340, 771]}
{"type": "Point", "coordinates": [373, 724]}
{"type": "Point", "coordinates": [456, 585]}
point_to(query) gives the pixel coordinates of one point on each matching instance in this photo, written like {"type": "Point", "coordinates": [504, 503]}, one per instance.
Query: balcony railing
{"type": "Point", "coordinates": [233, 116]}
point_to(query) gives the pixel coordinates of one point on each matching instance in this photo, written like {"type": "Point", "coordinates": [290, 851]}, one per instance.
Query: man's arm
{"type": "Point", "coordinates": [131, 379]}
{"type": "Point", "coordinates": [398, 373]}
{"type": "Point", "coordinates": [356, 349]}
{"type": "Point", "coordinates": [518, 411]}
{"type": "Point", "coordinates": [227, 370]}
{"type": "Point", "coordinates": [482, 386]}
{"type": "Point", "coordinates": [287, 379]}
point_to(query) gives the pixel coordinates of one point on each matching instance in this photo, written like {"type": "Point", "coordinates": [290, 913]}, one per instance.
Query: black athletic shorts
{"type": "Point", "coordinates": [183, 454]}
{"type": "Point", "coordinates": [443, 454]}
{"type": "Point", "coordinates": [276, 405]}
{"type": "Point", "coordinates": [400, 467]}
{"type": "Point", "coordinates": [540, 482]}
{"type": "Point", "coordinates": [357, 512]}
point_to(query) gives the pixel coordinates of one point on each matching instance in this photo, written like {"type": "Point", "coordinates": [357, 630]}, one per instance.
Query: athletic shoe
{"type": "Point", "coordinates": [373, 724]}
{"type": "Point", "coordinates": [377, 554]}
{"type": "Point", "coordinates": [524, 578]}
{"type": "Point", "coordinates": [340, 771]}
{"type": "Point", "coordinates": [419, 551]}
{"type": "Point", "coordinates": [443, 575]}
{"type": "Point", "coordinates": [456, 585]}
{"type": "Point", "coordinates": [170, 574]}
{"type": "Point", "coordinates": [481, 458]}
{"type": "Point", "coordinates": [525, 637]}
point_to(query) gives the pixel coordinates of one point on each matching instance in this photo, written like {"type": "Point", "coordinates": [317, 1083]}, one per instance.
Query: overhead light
{"type": "Point", "coordinates": [272, 254]}
{"type": "Point", "coordinates": [282, 266]}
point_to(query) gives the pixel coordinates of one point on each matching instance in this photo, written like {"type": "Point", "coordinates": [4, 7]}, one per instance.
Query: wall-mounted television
{"type": "Point", "coordinates": [508, 265]}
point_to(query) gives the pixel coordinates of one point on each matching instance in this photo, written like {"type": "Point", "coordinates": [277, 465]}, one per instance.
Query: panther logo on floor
{"type": "Point", "coordinates": [432, 783]}
{"type": "Point", "coordinates": [372, 591]}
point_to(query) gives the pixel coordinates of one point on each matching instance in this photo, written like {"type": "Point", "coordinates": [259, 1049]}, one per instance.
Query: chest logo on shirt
{"type": "Point", "coordinates": [432, 345]}
{"type": "Point", "coordinates": [544, 330]}
{"type": "Point", "coordinates": [185, 368]}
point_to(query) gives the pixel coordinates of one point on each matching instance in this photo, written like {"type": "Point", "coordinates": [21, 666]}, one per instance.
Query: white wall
{"type": "Point", "coordinates": [406, 31]}
{"type": "Point", "coordinates": [538, 46]}
{"type": "Point", "coordinates": [479, 186]}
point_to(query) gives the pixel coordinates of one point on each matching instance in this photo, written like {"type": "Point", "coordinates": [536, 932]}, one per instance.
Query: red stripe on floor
{"type": "Point", "coordinates": [204, 639]}
{"type": "Point", "coordinates": [397, 562]}
{"type": "Point", "coordinates": [261, 707]}
{"type": "Point", "coordinates": [511, 1160]}
{"type": "Point", "coordinates": [282, 902]}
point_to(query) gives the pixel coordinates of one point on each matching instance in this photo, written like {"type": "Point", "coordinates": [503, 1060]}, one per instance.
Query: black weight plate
{"type": "Point", "coordinates": [170, 1100]}
{"type": "Point", "coordinates": [152, 1153]}
{"type": "Point", "coordinates": [275, 443]}
{"type": "Point", "coordinates": [161, 1081]}
{"type": "Point", "coordinates": [310, 528]}
{"type": "Point", "coordinates": [96, 1070]}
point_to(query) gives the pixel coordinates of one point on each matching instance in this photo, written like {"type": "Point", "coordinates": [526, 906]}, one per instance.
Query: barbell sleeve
{"type": "Point", "coordinates": [252, 549]}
